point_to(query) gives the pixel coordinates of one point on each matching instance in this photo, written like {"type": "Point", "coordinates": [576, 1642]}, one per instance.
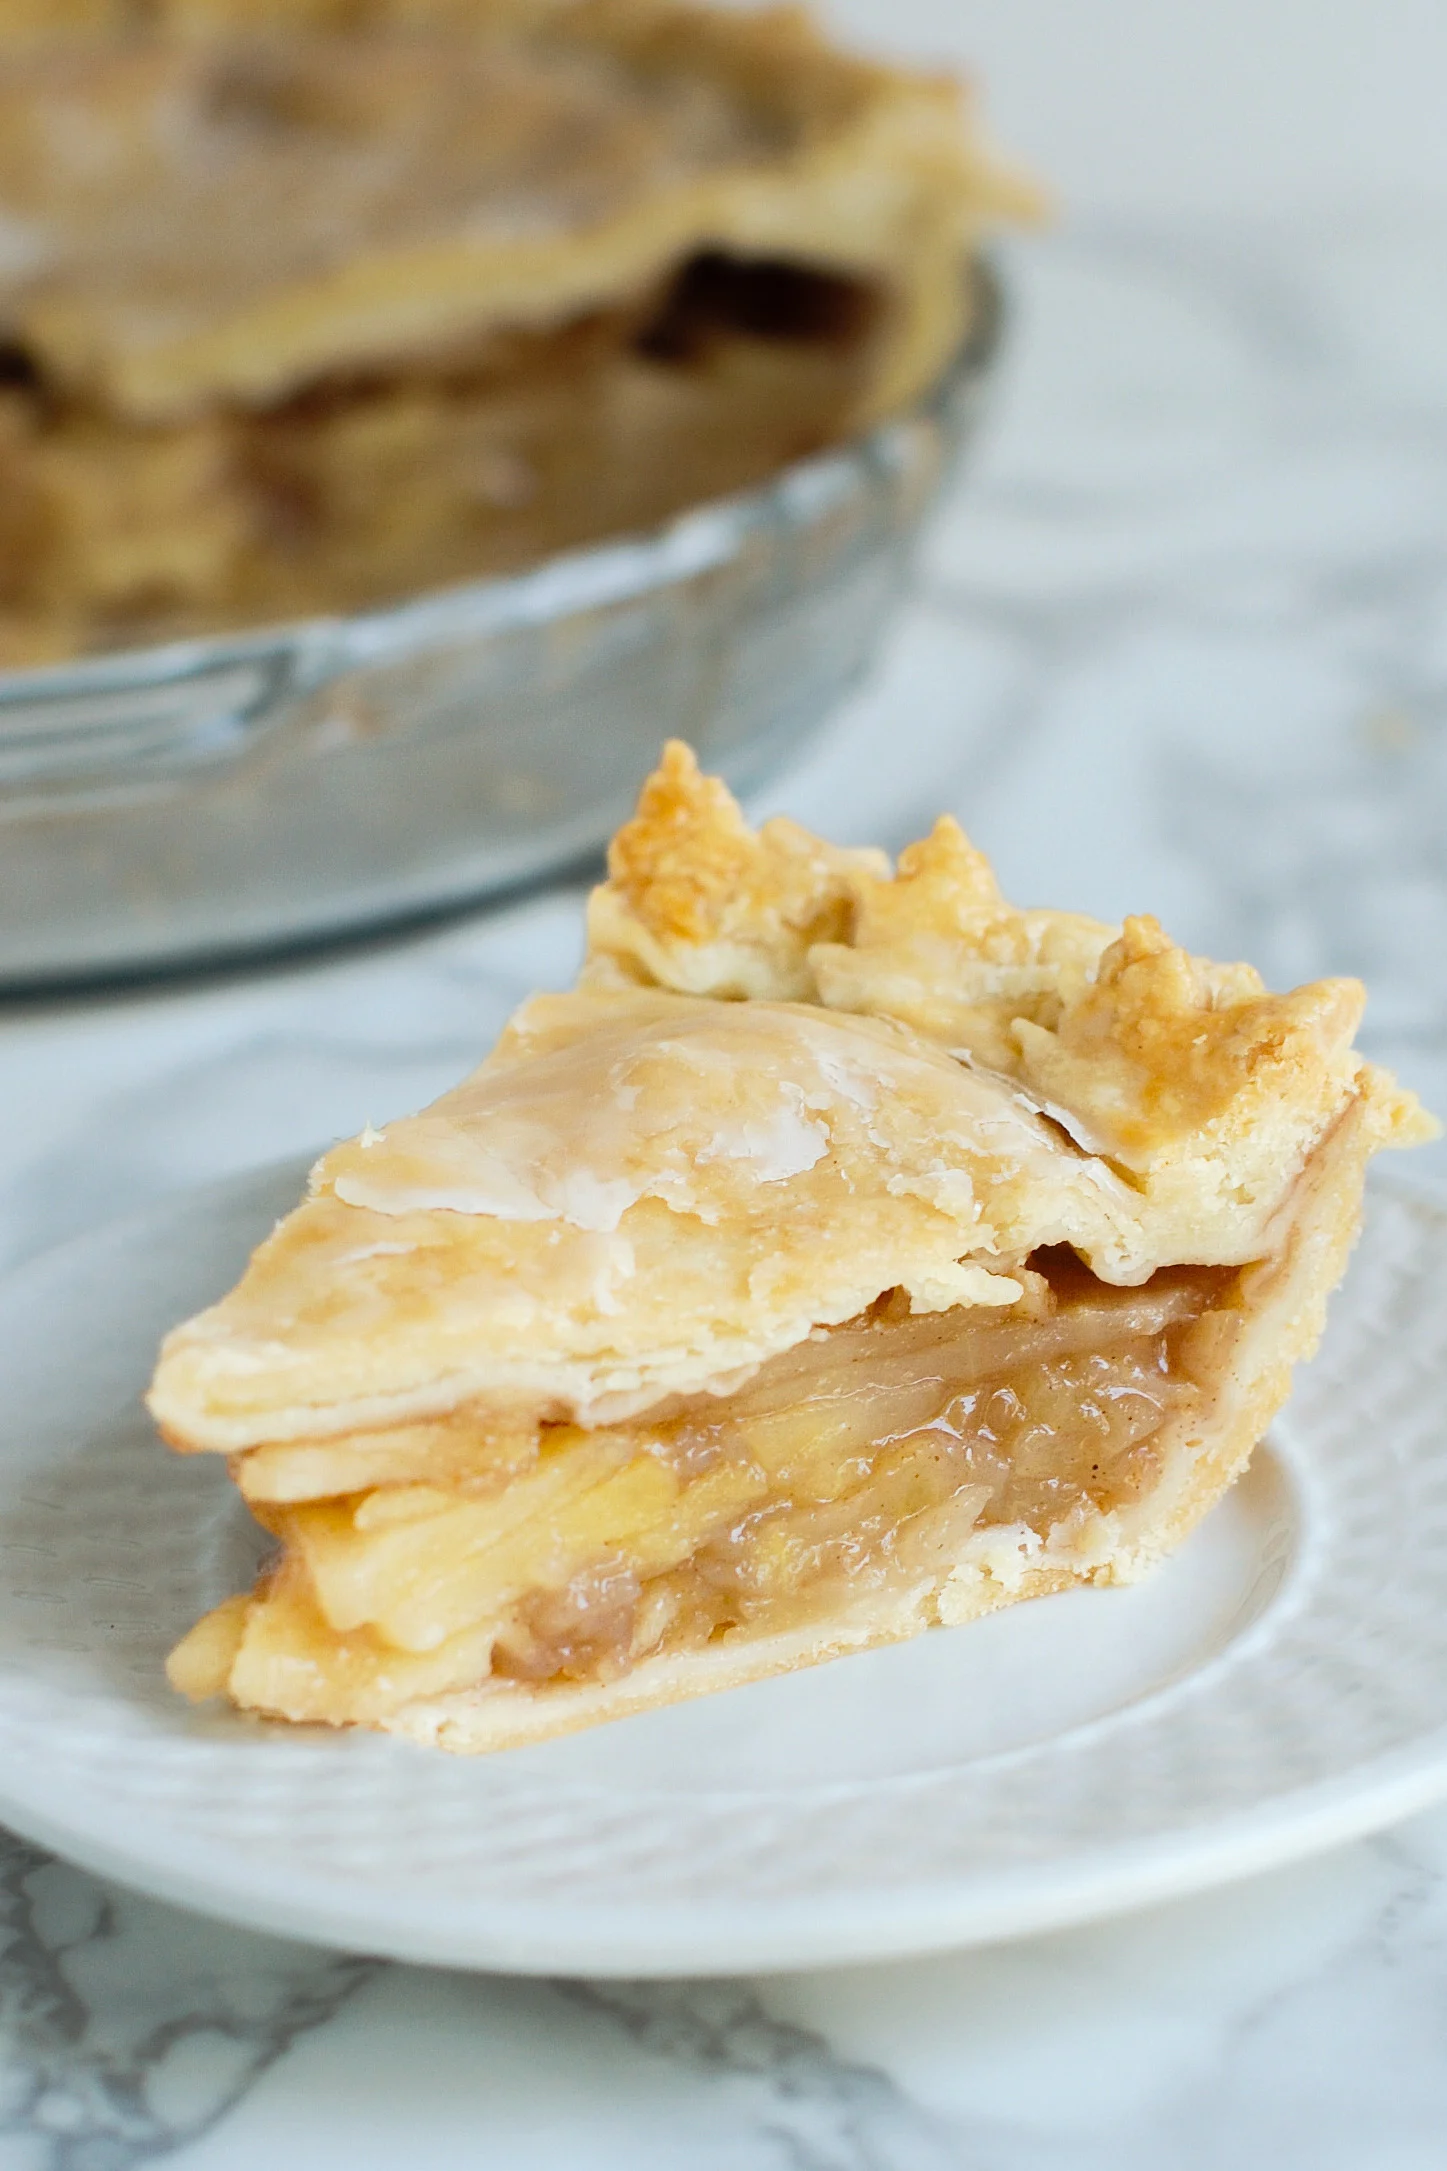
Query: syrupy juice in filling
{"type": "Point", "coordinates": [863, 1460]}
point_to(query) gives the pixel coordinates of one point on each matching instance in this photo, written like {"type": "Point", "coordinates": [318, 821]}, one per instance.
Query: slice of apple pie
{"type": "Point", "coordinates": [848, 1253]}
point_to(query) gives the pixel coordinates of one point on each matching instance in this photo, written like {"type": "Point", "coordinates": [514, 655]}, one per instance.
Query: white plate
{"type": "Point", "coordinates": [1280, 1685]}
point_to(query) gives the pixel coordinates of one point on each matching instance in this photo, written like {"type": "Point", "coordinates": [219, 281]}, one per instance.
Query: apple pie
{"type": "Point", "coordinates": [306, 307]}
{"type": "Point", "coordinates": [847, 1253]}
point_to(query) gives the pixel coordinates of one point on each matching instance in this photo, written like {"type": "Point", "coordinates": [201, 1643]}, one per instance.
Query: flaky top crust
{"type": "Point", "coordinates": [790, 1080]}
{"type": "Point", "coordinates": [265, 201]}
{"type": "Point", "coordinates": [1189, 1078]}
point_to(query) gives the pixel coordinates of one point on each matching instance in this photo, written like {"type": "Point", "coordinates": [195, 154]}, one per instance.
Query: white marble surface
{"type": "Point", "coordinates": [1196, 110]}
{"type": "Point", "coordinates": [1180, 643]}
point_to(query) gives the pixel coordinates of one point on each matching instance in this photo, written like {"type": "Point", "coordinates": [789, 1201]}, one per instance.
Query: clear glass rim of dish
{"type": "Point", "coordinates": [309, 652]}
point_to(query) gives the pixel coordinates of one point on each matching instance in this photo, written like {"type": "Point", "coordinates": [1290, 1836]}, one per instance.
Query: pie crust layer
{"type": "Point", "coordinates": [304, 308]}
{"type": "Point", "coordinates": [848, 1253]}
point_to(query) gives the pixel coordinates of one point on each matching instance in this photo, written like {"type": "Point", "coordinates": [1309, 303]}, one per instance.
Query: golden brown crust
{"type": "Point", "coordinates": [937, 946]}
{"type": "Point", "coordinates": [1161, 1044]}
{"type": "Point", "coordinates": [697, 902]}
{"type": "Point", "coordinates": [1186, 1074]}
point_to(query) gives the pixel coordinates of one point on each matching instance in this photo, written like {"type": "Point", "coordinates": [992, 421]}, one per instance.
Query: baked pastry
{"type": "Point", "coordinates": [307, 307]}
{"type": "Point", "coordinates": [848, 1252]}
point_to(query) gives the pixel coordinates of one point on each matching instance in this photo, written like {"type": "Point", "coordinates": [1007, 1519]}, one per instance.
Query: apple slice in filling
{"type": "Point", "coordinates": [862, 1461]}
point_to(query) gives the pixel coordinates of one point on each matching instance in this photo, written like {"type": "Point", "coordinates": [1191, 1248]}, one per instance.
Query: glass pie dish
{"type": "Point", "coordinates": [216, 798]}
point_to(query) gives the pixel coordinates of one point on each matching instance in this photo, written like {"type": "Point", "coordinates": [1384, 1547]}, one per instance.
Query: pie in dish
{"type": "Point", "coordinates": [848, 1253]}
{"type": "Point", "coordinates": [305, 307]}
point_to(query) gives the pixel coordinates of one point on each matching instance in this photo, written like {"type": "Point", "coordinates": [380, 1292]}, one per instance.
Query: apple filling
{"type": "Point", "coordinates": [444, 1556]}
{"type": "Point", "coordinates": [362, 488]}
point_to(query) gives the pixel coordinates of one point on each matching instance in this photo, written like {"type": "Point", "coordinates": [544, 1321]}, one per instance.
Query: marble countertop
{"type": "Point", "coordinates": [1179, 643]}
